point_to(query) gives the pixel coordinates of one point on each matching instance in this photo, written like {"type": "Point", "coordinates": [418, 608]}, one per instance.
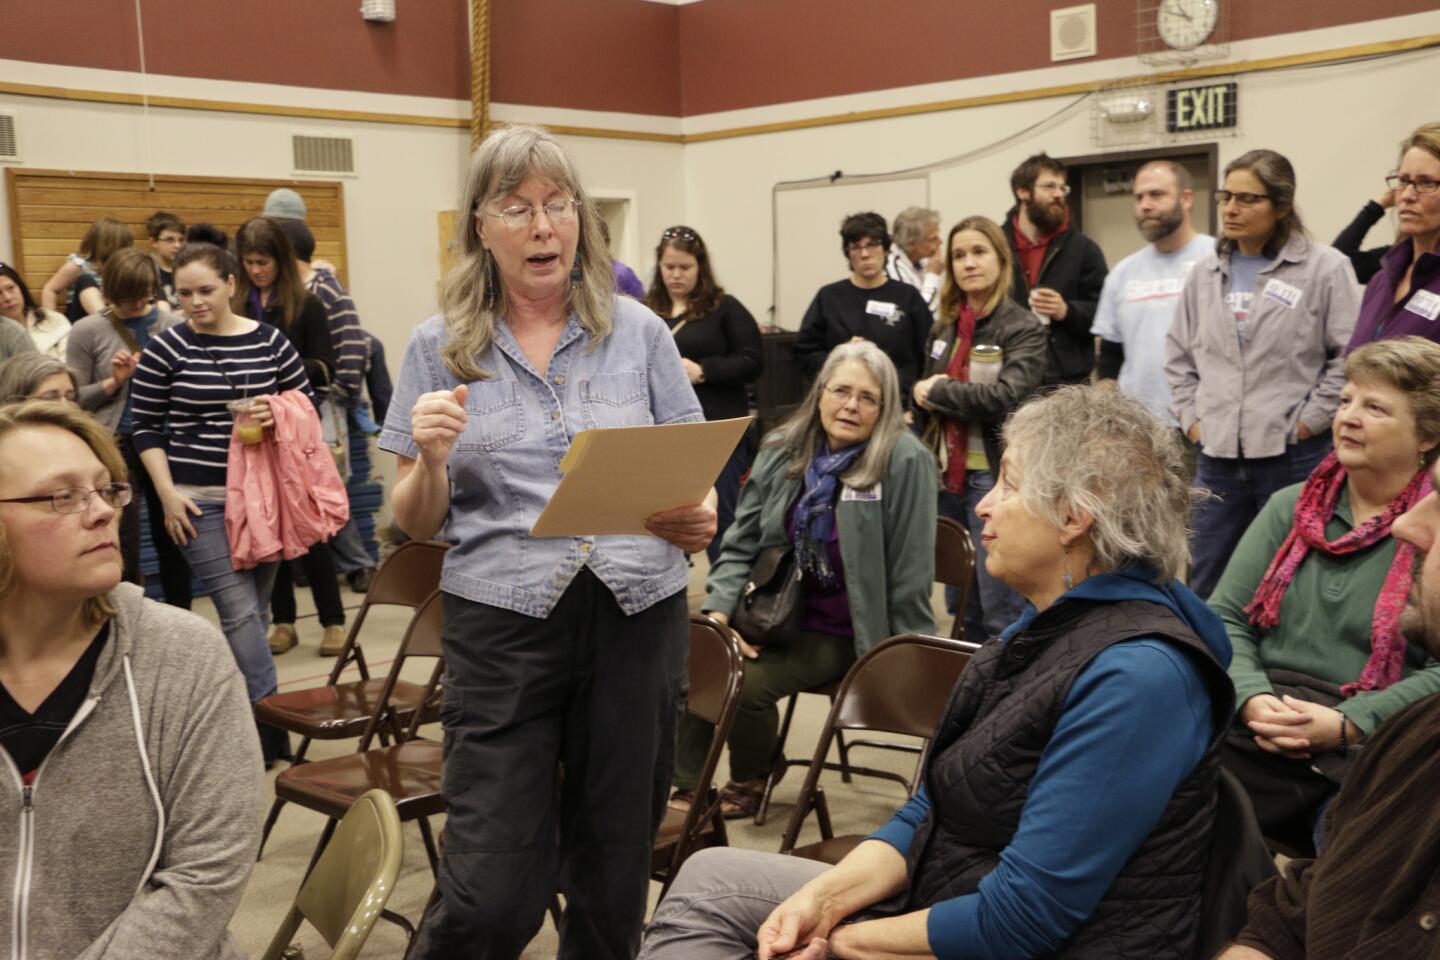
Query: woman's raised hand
{"type": "Point", "coordinates": [436, 422]}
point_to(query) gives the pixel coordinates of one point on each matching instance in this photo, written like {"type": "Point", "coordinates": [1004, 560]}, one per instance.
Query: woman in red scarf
{"type": "Point", "coordinates": [1313, 594]}
{"type": "Point", "coordinates": [966, 406]}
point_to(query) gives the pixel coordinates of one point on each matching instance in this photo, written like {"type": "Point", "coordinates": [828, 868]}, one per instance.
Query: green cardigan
{"type": "Point", "coordinates": [1324, 628]}
{"type": "Point", "coordinates": [887, 543]}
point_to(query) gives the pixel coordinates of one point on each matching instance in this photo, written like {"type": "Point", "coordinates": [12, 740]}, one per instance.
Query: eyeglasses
{"type": "Point", "coordinates": [77, 499]}
{"type": "Point", "coordinates": [1423, 185]}
{"type": "Point", "coordinates": [864, 247]}
{"type": "Point", "coordinates": [681, 233]}
{"type": "Point", "coordinates": [65, 396]}
{"type": "Point", "coordinates": [1054, 186]}
{"type": "Point", "coordinates": [843, 396]}
{"type": "Point", "coordinates": [521, 215]}
{"type": "Point", "coordinates": [1246, 200]}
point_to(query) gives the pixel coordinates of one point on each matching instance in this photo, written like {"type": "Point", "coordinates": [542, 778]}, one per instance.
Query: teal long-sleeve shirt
{"type": "Point", "coordinates": [1325, 615]}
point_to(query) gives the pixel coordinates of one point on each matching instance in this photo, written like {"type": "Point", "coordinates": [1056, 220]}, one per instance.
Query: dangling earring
{"type": "Point", "coordinates": [575, 270]}
{"type": "Point", "coordinates": [490, 284]}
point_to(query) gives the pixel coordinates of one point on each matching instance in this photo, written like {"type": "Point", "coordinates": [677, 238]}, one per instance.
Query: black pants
{"type": "Point", "coordinates": [559, 746]}
{"type": "Point", "coordinates": [324, 586]}
{"type": "Point", "coordinates": [174, 571]}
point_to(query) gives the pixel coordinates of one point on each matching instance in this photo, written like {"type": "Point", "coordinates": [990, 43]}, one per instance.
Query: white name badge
{"type": "Point", "coordinates": [882, 308]}
{"type": "Point", "coordinates": [1282, 292]}
{"type": "Point", "coordinates": [865, 496]}
{"type": "Point", "coordinates": [937, 349]}
{"type": "Point", "coordinates": [1425, 303]}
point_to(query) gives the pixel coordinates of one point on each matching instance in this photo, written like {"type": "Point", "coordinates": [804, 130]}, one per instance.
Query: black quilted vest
{"type": "Point", "coordinates": [987, 749]}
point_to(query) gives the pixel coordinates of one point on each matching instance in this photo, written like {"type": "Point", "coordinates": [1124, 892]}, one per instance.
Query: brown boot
{"type": "Point", "coordinates": [333, 642]}
{"type": "Point", "coordinates": [282, 638]}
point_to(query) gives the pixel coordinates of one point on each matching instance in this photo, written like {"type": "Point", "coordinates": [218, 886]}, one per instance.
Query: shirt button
{"type": "Point", "coordinates": [560, 380]}
{"type": "Point", "coordinates": [554, 414]}
{"type": "Point", "coordinates": [1428, 921]}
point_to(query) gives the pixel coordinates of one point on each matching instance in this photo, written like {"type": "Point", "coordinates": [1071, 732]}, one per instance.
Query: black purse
{"type": "Point", "coordinates": [773, 599]}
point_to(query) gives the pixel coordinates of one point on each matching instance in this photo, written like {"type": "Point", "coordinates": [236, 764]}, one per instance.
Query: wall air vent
{"type": "Point", "coordinates": [327, 155]}
{"type": "Point", "coordinates": [1072, 32]}
{"type": "Point", "coordinates": [9, 138]}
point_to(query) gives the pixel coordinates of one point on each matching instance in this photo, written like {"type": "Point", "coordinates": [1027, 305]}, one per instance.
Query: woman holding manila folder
{"type": "Point", "coordinates": [561, 652]}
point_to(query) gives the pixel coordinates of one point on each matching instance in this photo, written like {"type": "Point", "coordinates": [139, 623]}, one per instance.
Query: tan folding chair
{"type": "Point", "coordinates": [717, 671]}
{"type": "Point", "coordinates": [899, 687]}
{"type": "Point", "coordinates": [340, 711]}
{"type": "Point", "coordinates": [955, 566]}
{"type": "Point", "coordinates": [409, 770]}
{"type": "Point", "coordinates": [349, 886]}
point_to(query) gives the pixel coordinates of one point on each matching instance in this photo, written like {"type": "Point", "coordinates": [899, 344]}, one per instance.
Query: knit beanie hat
{"type": "Point", "coordinates": [284, 204]}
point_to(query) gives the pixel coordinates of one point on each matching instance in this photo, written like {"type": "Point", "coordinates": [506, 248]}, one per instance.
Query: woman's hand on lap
{"type": "Point", "coordinates": [797, 920]}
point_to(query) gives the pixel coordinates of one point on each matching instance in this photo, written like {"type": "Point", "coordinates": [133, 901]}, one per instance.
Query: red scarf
{"type": "Point", "coordinates": [957, 432]}
{"type": "Point", "coordinates": [1314, 509]}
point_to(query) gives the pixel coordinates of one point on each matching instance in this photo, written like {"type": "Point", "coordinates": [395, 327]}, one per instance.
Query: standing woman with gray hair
{"type": "Point", "coordinates": [850, 491]}
{"type": "Point", "coordinates": [1256, 355]}
{"type": "Point", "coordinates": [915, 256]}
{"type": "Point", "coordinates": [564, 653]}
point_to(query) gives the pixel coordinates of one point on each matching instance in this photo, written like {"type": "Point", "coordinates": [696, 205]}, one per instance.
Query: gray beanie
{"type": "Point", "coordinates": [284, 204]}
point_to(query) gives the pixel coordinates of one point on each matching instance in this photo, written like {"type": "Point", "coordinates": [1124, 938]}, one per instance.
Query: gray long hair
{"type": "Point", "coordinates": [1097, 450]}
{"type": "Point", "coordinates": [22, 374]}
{"type": "Point", "coordinates": [802, 434]}
{"type": "Point", "coordinates": [503, 162]}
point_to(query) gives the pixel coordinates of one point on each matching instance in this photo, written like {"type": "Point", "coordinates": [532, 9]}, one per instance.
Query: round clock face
{"type": "Point", "coordinates": [1185, 24]}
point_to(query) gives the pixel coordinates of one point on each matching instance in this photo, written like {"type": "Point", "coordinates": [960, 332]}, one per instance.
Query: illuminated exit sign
{"type": "Point", "coordinates": [1212, 107]}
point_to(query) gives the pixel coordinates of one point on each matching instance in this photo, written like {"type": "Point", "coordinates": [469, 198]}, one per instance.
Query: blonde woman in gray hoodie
{"type": "Point", "coordinates": [129, 788]}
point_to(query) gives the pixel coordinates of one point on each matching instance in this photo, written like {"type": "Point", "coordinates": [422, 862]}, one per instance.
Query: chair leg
{"type": "Point", "coordinates": [777, 762]}
{"type": "Point", "coordinates": [430, 850]}
{"type": "Point", "coordinates": [402, 923]}
{"type": "Point", "coordinates": [325, 835]}
{"type": "Point", "coordinates": [270, 819]}
{"type": "Point", "coordinates": [844, 752]}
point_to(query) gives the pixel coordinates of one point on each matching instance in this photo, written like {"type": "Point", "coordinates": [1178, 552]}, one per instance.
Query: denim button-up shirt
{"type": "Point", "coordinates": [506, 464]}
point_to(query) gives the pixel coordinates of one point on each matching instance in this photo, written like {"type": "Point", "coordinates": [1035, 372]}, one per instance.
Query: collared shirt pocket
{"type": "Point", "coordinates": [496, 416]}
{"type": "Point", "coordinates": [615, 399]}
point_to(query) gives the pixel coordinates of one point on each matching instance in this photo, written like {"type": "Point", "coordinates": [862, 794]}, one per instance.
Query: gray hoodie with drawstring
{"type": "Point", "coordinates": [138, 834]}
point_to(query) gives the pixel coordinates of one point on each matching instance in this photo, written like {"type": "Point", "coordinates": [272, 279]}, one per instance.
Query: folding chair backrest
{"type": "Point", "coordinates": [955, 563]}
{"type": "Point", "coordinates": [901, 686]}
{"type": "Point", "coordinates": [422, 639]}
{"type": "Point", "coordinates": [408, 575]}
{"type": "Point", "coordinates": [352, 881]}
{"type": "Point", "coordinates": [716, 669]}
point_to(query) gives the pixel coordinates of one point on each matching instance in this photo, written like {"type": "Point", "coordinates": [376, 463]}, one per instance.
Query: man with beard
{"type": "Point", "coordinates": [1375, 890]}
{"type": "Point", "coordinates": [1060, 271]}
{"type": "Point", "coordinates": [1140, 294]}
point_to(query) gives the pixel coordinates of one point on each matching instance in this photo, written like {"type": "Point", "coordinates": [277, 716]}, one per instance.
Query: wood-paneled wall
{"type": "Point", "coordinates": [50, 210]}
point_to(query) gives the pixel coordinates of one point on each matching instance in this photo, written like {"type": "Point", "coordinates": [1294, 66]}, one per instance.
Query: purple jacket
{"type": "Point", "coordinates": [1418, 314]}
{"type": "Point", "coordinates": [627, 283]}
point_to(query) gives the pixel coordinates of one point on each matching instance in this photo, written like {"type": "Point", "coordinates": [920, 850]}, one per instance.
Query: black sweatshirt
{"type": "Point", "coordinates": [726, 344]}
{"type": "Point", "coordinates": [893, 315]}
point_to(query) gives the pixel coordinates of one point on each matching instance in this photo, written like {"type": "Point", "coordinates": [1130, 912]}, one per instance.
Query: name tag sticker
{"type": "Point", "coordinates": [1282, 292]}
{"type": "Point", "coordinates": [865, 496]}
{"type": "Point", "coordinates": [937, 349]}
{"type": "Point", "coordinates": [882, 308]}
{"type": "Point", "coordinates": [1425, 303]}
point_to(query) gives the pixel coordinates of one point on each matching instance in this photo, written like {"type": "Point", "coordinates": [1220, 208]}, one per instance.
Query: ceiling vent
{"type": "Point", "coordinates": [327, 155]}
{"type": "Point", "coordinates": [9, 139]}
{"type": "Point", "coordinates": [1072, 32]}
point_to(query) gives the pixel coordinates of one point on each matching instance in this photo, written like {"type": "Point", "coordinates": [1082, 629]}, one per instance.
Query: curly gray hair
{"type": "Point", "coordinates": [911, 223]}
{"type": "Point", "coordinates": [1101, 452]}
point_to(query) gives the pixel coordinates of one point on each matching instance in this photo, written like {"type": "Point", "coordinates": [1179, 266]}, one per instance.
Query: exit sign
{"type": "Point", "coordinates": [1213, 107]}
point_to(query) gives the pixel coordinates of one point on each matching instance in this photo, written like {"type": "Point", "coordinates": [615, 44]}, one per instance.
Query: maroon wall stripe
{"type": "Point", "coordinates": [626, 56]}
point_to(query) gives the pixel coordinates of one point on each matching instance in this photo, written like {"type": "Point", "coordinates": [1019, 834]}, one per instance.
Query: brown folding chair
{"type": "Point", "coordinates": [717, 671]}
{"type": "Point", "coordinates": [340, 711]}
{"type": "Point", "coordinates": [898, 687]}
{"type": "Point", "coordinates": [955, 566]}
{"type": "Point", "coordinates": [779, 763]}
{"type": "Point", "coordinates": [409, 769]}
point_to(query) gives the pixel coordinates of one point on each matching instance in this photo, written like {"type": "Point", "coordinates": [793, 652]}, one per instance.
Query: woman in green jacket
{"type": "Point", "coordinates": [847, 485]}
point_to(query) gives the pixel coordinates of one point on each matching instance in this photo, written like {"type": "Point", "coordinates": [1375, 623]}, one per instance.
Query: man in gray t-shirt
{"type": "Point", "coordinates": [1142, 290]}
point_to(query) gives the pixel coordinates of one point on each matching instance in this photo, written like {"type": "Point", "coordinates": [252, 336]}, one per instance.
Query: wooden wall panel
{"type": "Point", "coordinates": [50, 210]}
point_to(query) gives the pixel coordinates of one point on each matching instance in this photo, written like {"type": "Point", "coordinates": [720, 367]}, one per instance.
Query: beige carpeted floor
{"type": "Point", "coordinates": [855, 808]}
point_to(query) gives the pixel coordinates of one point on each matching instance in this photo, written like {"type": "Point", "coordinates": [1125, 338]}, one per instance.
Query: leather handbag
{"type": "Point", "coordinates": [773, 599]}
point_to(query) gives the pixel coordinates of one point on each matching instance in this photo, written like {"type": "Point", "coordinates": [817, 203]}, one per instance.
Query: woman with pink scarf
{"type": "Point", "coordinates": [1312, 597]}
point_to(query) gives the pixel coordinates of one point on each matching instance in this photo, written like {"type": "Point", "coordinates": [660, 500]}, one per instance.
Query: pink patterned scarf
{"type": "Point", "coordinates": [1313, 511]}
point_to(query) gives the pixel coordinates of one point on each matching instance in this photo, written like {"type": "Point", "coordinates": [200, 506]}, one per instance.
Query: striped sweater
{"type": "Point", "coordinates": [351, 352]}
{"type": "Point", "coordinates": [179, 392]}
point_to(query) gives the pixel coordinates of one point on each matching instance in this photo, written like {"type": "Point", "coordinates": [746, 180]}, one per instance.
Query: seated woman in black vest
{"type": "Point", "coordinates": [1069, 794]}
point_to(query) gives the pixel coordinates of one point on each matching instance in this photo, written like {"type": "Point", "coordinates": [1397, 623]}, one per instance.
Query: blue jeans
{"type": "Point", "coordinates": [992, 606]}
{"type": "Point", "coordinates": [349, 550]}
{"type": "Point", "coordinates": [241, 597]}
{"type": "Point", "coordinates": [1241, 487]}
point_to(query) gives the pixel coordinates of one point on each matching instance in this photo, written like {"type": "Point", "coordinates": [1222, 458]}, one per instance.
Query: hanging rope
{"type": "Point", "coordinates": [479, 70]}
{"type": "Point", "coordinates": [144, 100]}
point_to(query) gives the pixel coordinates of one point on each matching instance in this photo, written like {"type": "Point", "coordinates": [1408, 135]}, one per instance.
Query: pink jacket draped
{"type": "Point", "coordinates": [284, 494]}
